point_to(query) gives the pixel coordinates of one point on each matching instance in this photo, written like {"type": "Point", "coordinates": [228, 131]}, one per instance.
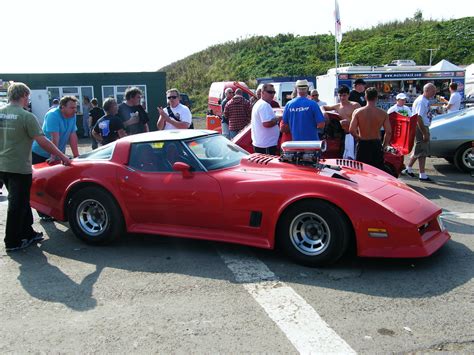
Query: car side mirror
{"type": "Point", "coordinates": [184, 168]}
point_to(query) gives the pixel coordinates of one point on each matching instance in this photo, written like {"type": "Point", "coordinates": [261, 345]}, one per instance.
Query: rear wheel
{"type": "Point", "coordinates": [461, 158]}
{"type": "Point", "coordinates": [313, 233]}
{"type": "Point", "coordinates": [94, 216]}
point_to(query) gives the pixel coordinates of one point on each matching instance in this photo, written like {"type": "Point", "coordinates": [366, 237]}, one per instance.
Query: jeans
{"type": "Point", "coordinates": [19, 215]}
{"type": "Point", "coordinates": [232, 134]}
{"type": "Point", "coordinates": [225, 129]}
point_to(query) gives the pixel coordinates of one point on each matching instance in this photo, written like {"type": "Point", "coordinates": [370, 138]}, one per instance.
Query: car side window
{"type": "Point", "coordinates": [159, 156]}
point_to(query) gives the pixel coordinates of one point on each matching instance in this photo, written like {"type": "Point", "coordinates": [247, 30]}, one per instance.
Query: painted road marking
{"type": "Point", "coordinates": [460, 215]}
{"type": "Point", "coordinates": [301, 324]}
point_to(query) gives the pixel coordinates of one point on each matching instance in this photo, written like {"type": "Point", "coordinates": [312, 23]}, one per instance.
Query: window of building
{"type": "Point", "coordinates": [118, 93]}
{"type": "Point", "coordinates": [56, 92]}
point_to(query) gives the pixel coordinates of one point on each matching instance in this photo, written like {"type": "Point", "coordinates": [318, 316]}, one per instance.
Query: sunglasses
{"type": "Point", "coordinates": [270, 92]}
{"type": "Point", "coordinates": [172, 97]}
{"type": "Point", "coordinates": [315, 95]}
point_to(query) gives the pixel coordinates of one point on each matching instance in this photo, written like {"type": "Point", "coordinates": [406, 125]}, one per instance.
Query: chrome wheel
{"type": "Point", "coordinates": [310, 234]}
{"type": "Point", "coordinates": [92, 217]}
{"type": "Point", "coordinates": [468, 163]}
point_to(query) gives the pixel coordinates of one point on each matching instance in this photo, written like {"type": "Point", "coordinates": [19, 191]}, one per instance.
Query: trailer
{"type": "Point", "coordinates": [390, 80]}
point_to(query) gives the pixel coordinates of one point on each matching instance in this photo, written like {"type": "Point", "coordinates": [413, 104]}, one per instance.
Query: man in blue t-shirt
{"type": "Point", "coordinates": [302, 117]}
{"type": "Point", "coordinates": [59, 126]}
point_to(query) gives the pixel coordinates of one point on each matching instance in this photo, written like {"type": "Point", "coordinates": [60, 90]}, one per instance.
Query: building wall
{"type": "Point", "coordinates": [155, 86]}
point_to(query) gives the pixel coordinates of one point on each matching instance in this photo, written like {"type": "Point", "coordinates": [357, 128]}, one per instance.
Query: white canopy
{"type": "Point", "coordinates": [444, 65]}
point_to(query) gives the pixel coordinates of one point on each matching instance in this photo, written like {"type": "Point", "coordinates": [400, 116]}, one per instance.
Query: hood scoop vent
{"type": "Point", "coordinates": [260, 159]}
{"type": "Point", "coordinates": [350, 164]}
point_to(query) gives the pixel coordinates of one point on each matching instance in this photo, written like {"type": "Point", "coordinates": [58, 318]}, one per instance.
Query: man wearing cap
{"type": "Point", "coordinates": [400, 106]}
{"type": "Point", "coordinates": [358, 94]}
{"type": "Point", "coordinates": [455, 99]}
{"type": "Point", "coordinates": [302, 117]}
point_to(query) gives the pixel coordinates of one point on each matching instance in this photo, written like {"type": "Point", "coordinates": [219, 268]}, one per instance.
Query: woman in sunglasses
{"type": "Point", "coordinates": [175, 115]}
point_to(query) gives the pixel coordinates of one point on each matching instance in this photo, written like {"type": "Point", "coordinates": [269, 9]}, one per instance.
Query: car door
{"type": "Point", "coordinates": [158, 195]}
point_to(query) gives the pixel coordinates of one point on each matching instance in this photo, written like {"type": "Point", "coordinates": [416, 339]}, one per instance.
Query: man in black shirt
{"type": "Point", "coordinates": [358, 94]}
{"type": "Point", "coordinates": [134, 117]}
{"type": "Point", "coordinates": [94, 114]}
{"type": "Point", "coordinates": [110, 127]}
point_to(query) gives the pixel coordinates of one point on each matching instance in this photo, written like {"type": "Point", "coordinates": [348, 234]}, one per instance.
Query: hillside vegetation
{"type": "Point", "coordinates": [287, 54]}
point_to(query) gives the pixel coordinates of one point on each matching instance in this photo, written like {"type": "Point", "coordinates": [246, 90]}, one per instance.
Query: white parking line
{"type": "Point", "coordinates": [460, 215]}
{"type": "Point", "coordinates": [301, 324]}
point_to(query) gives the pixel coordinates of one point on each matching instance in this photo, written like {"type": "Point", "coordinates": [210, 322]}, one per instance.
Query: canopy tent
{"type": "Point", "coordinates": [444, 65]}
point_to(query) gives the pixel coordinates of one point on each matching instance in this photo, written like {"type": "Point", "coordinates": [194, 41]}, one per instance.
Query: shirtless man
{"type": "Point", "coordinates": [344, 108]}
{"type": "Point", "coordinates": [365, 127]}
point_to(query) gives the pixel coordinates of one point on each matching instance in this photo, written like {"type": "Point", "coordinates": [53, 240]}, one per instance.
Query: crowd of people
{"type": "Point", "coordinates": [303, 119]}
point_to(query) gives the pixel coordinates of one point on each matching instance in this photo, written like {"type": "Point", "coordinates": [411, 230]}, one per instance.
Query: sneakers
{"type": "Point", "coordinates": [408, 173]}
{"type": "Point", "coordinates": [25, 243]}
{"type": "Point", "coordinates": [427, 179]}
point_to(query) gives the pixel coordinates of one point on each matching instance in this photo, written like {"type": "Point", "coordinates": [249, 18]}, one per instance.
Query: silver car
{"type": "Point", "coordinates": [452, 137]}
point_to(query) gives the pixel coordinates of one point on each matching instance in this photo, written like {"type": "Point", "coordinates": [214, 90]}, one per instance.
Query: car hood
{"type": "Point", "coordinates": [345, 178]}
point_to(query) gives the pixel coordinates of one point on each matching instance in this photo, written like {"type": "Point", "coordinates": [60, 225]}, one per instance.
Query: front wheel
{"type": "Point", "coordinates": [462, 161]}
{"type": "Point", "coordinates": [94, 216]}
{"type": "Point", "coordinates": [313, 233]}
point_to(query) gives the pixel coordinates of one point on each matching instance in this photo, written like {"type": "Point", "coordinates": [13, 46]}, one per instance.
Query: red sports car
{"type": "Point", "coordinates": [197, 184]}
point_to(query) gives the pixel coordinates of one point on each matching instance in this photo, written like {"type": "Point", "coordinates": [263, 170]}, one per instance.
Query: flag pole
{"type": "Point", "coordinates": [336, 19]}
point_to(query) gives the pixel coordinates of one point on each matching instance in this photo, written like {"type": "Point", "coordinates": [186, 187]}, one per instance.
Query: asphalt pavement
{"type": "Point", "coordinates": [152, 294]}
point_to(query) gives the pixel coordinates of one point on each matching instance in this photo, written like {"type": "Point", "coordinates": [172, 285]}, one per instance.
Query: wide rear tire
{"type": "Point", "coordinates": [313, 233]}
{"type": "Point", "coordinates": [94, 216]}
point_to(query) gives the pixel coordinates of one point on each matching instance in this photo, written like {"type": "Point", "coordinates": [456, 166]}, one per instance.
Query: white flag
{"type": "Point", "coordinates": [337, 18]}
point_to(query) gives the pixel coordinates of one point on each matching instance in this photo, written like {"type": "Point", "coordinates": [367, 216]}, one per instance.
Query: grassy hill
{"type": "Point", "coordinates": [287, 54]}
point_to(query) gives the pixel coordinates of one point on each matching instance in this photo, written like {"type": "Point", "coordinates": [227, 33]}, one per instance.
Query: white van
{"type": "Point", "coordinates": [284, 91]}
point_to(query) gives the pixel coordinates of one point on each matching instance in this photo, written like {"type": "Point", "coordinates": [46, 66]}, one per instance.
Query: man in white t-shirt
{"type": "Point", "coordinates": [400, 106]}
{"type": "Point", "coordinates": [175, 115]}
{"type": "Point", "coordinates": [421, 107]}
{"type": "Point", "coordinates": [265, 125]}
{"type": "Point", "coordinates": [454, 102]}
{"type": "Point", "coordinates": [315, 98]}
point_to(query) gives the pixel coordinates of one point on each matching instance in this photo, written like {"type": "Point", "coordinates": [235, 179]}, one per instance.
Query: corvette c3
{"type": "Point", "coordinates": [197, 184]}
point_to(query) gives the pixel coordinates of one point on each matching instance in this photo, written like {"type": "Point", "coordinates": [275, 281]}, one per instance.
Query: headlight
{"type": "Point", "coordinates": [440, 223]}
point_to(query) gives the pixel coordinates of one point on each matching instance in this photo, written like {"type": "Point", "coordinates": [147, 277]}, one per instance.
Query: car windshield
{"type": "Point", "coordinates": [216, 152]}
{"type": "Point", "coordinates": [102, 153]}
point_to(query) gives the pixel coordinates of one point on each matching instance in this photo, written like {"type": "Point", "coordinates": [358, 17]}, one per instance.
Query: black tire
{"type": "Point", "coordinates": [461, 159]}
{"type": "Point", "coordinates": [94, 216]}
{"type": "Point", "coordinates": [313, 233]}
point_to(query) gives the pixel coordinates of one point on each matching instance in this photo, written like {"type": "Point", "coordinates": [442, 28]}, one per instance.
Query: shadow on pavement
{"type": "Point", "coordinates": [449, 268]}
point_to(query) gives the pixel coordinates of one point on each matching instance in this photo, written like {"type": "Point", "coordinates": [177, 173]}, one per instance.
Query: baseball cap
{"type": "Point", "coordinates": [401, 96]}
{"type": "Point", "coordinates": [302, 83]}
{"type": "Point", "coordinates": [359, 81]}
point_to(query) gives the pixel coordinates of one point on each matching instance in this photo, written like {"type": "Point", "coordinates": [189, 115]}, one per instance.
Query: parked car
{"type": "Point", "coordinates": [452, 136]}
{"type": "Point", "coordinates": [197, 184]}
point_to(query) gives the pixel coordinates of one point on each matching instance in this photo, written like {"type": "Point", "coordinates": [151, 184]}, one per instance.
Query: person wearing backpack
{"type": "Point", "coordinates": [175, 115]}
